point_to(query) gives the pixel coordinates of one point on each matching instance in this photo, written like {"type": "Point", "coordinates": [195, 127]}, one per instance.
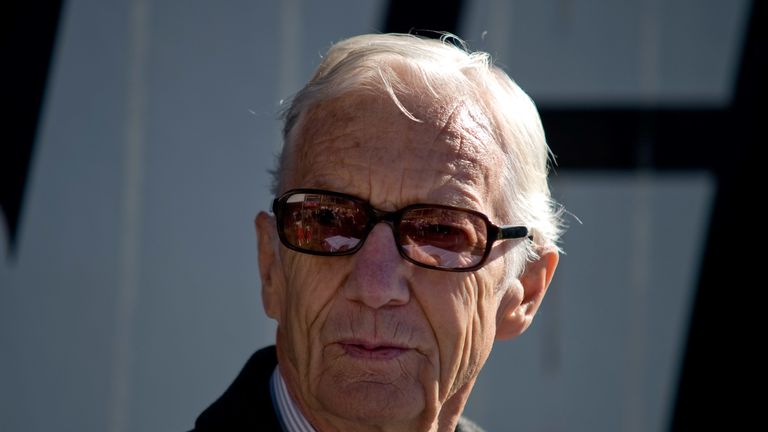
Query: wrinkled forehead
{"type": "Point", "coordinates": [363, 143]}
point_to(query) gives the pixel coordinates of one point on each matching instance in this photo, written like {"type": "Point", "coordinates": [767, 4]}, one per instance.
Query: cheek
{"type": "Point", "coordinates": [311, 287]}
{"type": "Point", "coordinates": [311, 282]}
{"type": "Point", "coordinates": [463, 321]}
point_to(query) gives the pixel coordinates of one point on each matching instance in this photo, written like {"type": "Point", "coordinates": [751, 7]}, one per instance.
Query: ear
{"type": "Point", "coordinates": [515, 311]}
{"type": "Point", "coordinates": [269, 265]}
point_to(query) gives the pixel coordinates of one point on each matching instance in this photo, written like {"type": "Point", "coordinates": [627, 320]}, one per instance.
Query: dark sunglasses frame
{"type": "Point", "coordinates": [494, 232]}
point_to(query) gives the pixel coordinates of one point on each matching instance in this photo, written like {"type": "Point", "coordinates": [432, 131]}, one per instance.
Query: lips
{"type": "Point", "coordinates": [372, 351]}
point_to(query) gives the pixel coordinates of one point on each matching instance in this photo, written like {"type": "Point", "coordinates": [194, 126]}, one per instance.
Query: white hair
{"type": "Point", "coordinates": [445, 70]}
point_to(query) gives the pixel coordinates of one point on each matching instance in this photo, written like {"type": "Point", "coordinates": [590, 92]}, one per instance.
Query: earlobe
{"type": "Point", "coordinates": [271, 292]}
{"type": "Point", "coordinates": [515, 311]}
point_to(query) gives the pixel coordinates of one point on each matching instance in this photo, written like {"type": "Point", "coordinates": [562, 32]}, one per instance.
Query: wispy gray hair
{"type": "Point", "coordinates": [445, 70]}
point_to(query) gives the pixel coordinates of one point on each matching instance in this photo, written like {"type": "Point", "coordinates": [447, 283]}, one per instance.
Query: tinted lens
{"type": "Point", "coordinates": [443, 238]}
{"type": "Point", "coordinates": [323, 223]}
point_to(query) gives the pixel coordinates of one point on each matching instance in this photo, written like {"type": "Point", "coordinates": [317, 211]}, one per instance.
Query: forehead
{"type": "Point", "coordinates": [365, 145]}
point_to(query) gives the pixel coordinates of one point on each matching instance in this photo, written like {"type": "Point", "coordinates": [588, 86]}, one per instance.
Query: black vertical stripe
{"type": "Point", "coordinates": [28, 33]}
{"type": "Point", "coordinates": [424, 18]}
{"type": "Point", "coordinates": [719, 380]}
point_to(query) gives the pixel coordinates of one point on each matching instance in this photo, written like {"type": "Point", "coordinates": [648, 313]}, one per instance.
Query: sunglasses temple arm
{"type": "Point", "coordinates": [512, 232]}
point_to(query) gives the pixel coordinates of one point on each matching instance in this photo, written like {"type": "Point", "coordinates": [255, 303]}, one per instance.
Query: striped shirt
{"type": "Point", "coordinates": [290, 417]}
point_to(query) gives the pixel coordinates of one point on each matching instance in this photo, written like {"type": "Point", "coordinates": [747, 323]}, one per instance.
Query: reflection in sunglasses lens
{"type": "Point", "coordinates": [323, 223]}
{"type": "Point", "coordinates": [439, 237]}
{"type": "Point", "coordinates": [442, 237]}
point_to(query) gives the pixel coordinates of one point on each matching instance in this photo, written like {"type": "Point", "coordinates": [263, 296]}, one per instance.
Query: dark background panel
{"type": "Point", "coordinates": [28, 36]}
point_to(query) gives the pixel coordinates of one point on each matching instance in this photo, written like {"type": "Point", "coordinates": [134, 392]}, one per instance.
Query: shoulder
{"type": "Point", "coordinates": [247, 403]}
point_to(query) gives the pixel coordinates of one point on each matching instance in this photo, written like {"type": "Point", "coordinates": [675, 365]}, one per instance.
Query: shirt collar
{"type": "Point", "coordinates": [289, 414]}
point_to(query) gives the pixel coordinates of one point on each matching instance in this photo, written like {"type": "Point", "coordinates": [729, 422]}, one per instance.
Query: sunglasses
{"type": "Point", "coordinates": [434, 236]}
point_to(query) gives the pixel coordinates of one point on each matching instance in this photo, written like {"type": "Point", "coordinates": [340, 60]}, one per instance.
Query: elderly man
{"type": "Point", "coordinates": [412, 227]}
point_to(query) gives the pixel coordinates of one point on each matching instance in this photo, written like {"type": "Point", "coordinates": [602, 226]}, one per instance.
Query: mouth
{"type": "Point", "coordinates": [372, 351]}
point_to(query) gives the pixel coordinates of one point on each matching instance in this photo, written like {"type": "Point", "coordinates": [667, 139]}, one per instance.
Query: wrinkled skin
{"type": "Point", "coordinates": [370, 341]}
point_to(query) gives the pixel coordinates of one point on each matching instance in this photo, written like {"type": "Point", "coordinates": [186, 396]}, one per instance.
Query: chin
{"type": "Point", "coordinates": [372, 401]}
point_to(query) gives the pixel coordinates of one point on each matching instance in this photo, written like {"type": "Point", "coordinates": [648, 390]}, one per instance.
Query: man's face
{"type": "Point", "coordinates": [370, 337]}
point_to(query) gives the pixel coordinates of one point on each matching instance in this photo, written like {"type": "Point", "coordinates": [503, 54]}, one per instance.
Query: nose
{"type": "Point", "coordinates": [378, 278]}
